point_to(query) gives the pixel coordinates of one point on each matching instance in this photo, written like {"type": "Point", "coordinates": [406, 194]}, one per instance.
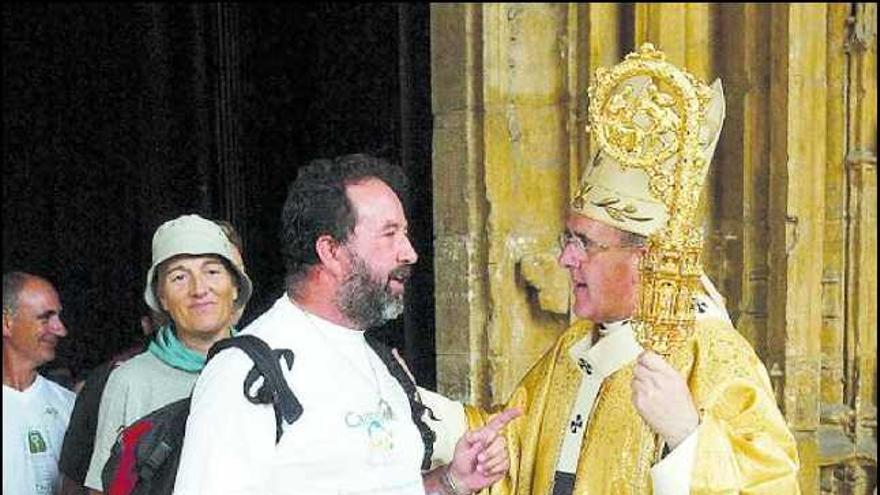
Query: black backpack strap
{"type": "Point", "coordinates": [274, 389]}
{"type": "Point", "coordinates": [409, 387]}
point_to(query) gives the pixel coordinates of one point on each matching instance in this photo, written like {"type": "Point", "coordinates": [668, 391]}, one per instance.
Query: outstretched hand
{"type": "Point", "coordinates": [480, 457]}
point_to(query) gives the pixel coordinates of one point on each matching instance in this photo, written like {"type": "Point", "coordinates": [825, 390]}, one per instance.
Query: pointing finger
{"type": "Point", "coordinates": [485, 435]}
{"type": "Point", "coordinates": [504, 417]}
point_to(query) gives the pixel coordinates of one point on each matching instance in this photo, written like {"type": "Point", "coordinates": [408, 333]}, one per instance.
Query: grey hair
{"type": "Point", "coordinates": [632, 239]}
{"type": "Point", "coordinates": [13, 282]}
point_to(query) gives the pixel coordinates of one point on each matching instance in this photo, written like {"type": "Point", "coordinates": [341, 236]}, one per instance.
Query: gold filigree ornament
{"type": "Point", "coordinates": [656, 127]}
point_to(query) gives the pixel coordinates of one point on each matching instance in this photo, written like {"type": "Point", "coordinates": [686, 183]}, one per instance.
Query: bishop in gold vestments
{"type": "Point", "coordinates": [742, 442]}
{"type": "Point", "coordinates": [659, 394]}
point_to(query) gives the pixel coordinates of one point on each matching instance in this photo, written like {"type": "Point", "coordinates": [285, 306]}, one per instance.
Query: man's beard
{"type": "Point", "coordinates": [367, 302]}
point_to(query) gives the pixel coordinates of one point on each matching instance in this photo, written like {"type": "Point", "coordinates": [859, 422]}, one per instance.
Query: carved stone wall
{"type": "Point", "coordinates": [789, 210]}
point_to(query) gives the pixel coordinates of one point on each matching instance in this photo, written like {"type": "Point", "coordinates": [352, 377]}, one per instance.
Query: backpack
{"type": "Point", "coordinates": [146, 454]}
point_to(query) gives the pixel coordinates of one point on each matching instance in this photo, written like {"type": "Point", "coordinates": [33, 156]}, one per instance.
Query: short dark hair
{"type": "Point", "coordinates": [317, 205]}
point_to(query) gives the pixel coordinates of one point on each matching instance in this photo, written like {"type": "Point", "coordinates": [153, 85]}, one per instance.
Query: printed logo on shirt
{"type": "Point", "coordinates": [51, 411]}
{"type": "Point", "coordinates": [44, 488]}
{"type": "Point", "coordinates": [36, 443]}
{"type": "Point", "coordinates": [380, 438]}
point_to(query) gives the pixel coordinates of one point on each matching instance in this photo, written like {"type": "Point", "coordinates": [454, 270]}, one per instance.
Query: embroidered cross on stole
{"type": "Point", "coordinates": [596, 362]}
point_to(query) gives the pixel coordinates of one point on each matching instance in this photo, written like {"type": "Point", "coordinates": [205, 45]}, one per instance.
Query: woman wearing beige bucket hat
{"type": "Point", "coordinates": [198, 283]}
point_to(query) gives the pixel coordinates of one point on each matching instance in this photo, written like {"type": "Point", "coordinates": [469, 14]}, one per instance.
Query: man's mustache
{"type": "Point", "coordinates": [401, 273]}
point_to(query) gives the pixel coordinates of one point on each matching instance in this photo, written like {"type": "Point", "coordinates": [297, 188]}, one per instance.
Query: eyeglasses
{"type": "Point", "coordinates": [584, 245]}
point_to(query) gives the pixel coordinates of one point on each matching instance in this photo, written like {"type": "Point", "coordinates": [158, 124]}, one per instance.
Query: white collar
{"type": "Point", "coordinates": [611, 327]}
{"type": "Point", "coordinates": [616, 348]}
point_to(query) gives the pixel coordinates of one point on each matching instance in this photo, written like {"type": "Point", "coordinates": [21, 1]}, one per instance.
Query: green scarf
{"type": "Point", "coordinates": [171, 351]}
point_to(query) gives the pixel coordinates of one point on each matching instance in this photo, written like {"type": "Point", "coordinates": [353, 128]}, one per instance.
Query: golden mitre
{"type": "Point", "coordinates": [656, 127]}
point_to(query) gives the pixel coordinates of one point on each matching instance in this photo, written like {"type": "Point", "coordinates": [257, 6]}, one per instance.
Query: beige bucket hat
{"type": "Point", "coordinates": [193, 235]}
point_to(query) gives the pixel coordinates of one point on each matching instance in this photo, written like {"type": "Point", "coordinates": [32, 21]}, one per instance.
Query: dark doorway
{"type": "Point", "coordinates": [118, 117]}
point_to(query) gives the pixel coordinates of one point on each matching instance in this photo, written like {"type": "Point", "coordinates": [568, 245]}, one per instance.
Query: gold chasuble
{"type": "Point", "coordinates": [656, 127]}
{"type": "Point", "coordinates": [743, 443]}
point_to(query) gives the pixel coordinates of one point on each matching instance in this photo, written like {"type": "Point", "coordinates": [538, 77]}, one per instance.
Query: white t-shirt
{"type": "Point", "coordinates": [34, 422]}
{"type": "Point", "coordinates": [356, 433]}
